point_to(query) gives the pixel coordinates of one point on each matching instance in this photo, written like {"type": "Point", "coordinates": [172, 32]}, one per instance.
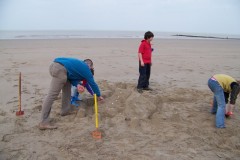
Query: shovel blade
{"type": "Point", "coordinates": [19, 113]}
{"type": "Point", "coordinates": [97, 134]}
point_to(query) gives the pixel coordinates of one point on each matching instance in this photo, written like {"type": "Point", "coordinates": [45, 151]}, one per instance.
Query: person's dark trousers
{"type": "Point", "coordinates": [148, 72]}
{"type": "Point", "coordinates": [144, 75]}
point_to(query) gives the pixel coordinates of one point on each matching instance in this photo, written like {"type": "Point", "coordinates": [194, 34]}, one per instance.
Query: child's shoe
{"type": "Point", "coordinates": [140, 90]}
{"type": "Point", "coordinates": [73, 101]}
{"type": "Point", "coordinates": [147, 89]}
{"type": "Point", "coordinates": [76, 97]}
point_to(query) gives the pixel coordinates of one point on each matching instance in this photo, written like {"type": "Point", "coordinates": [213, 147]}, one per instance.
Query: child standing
{"type": "Point", "coordinates": [145, 62]}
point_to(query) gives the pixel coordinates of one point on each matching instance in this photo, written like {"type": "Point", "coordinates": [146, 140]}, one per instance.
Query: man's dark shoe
{"type": "Point", "coordinates": [43, 126]}
{"type": "Point", "coordinates": [147, 89]}
{"type": "Point", "coordinates": [68, 113]}
{"type": "Point", "coordinates": [140, 90]}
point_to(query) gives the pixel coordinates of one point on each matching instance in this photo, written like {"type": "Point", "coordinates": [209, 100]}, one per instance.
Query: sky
{"type": "Point", "coordinates": [190, 16]}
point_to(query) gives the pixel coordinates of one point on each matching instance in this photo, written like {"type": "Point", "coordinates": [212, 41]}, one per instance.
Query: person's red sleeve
{"type": "Point", "coordinates": [84, 82]}
{"type": "Point", "coordinates": [141, 48]}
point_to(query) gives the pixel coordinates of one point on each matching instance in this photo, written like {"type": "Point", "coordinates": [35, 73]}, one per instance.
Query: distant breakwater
{"type": "Point", "coordinates": [198, 36]}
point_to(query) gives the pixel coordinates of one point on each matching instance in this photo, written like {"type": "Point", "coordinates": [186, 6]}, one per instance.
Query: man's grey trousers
{"type": "Point", "coordinates": [59, 82]}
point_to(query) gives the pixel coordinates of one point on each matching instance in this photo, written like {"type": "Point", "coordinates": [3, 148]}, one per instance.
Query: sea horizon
{"type": "Point", "coordinates": [79, 34]}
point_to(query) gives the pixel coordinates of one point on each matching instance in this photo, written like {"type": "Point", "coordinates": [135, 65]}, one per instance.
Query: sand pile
{"type": "Point", "coordinates": [167, 123]}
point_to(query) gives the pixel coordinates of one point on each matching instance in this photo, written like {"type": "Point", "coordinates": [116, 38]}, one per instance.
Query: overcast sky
{"type": "Point", "coordinates": [200, 16]}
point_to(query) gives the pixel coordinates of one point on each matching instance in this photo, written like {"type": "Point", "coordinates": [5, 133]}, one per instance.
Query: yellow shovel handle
{"type": "Point", "coordinates": [96, 110]}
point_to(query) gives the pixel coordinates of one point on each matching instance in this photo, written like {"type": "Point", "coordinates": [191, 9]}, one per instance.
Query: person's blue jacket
{"type": "Point", "coordinates": [78, 70]}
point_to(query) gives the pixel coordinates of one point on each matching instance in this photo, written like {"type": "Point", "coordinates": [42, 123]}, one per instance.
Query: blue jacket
{"type": "Point", "coordinates": [78, 70]}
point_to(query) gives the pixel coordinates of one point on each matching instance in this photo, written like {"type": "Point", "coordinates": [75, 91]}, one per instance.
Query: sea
{"type": "Point", "coordinates": [64, 34]}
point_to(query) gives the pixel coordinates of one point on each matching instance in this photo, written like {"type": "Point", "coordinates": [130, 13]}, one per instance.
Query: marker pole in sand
{"type": "Point", "coordinates": [96, 134]}
{"type": "Point", "coordinates": [19, 112]}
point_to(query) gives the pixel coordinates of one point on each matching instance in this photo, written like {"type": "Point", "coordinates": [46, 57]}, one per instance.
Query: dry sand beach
{"type": "Point", "coordinates": [171, 122]}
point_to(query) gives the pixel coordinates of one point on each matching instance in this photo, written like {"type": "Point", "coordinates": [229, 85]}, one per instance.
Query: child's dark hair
{"type": "Point", "coordinates": [148, 35]}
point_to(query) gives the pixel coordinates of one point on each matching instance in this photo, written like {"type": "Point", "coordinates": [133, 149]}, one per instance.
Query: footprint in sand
{"type": "Point", "coordinates": [24, 63]}
{"type": "Point", "coordinates": [2, 113]}
{"type": "Point", "coordinates": [25, 91]}
{"type": "Point", "coordinates": [31, 98]}
{"type": "Point", "coordinates": [38, 107]}
{"type": "Point", "coordinates": [7, 137]}
{"type": "Point", "coordinates": [7, 70]}
{"type": "Point", "coordinates": [10, 59]}
{"type": "Point", "coordinates": [189, 70]}
{"type": "Point", "coordinates": [15, 65]}
{"type": "Point", "coordinates": [26, 82]}
{"type": "Point", "coordinates": [12, 101]}
{"type": "Point", "coordinates": [15, 80]}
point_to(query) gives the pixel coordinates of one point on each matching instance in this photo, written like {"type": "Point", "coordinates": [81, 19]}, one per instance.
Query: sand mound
{"type": "Point", "coordinates": [167, 123]}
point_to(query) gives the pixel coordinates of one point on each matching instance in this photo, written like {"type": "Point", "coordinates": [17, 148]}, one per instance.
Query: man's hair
{"type": "Point", "coordinates": [148, 35]}
{"type": "Point", "coordinates": [92, 71]}
{"type": "Point", "coordinates": [89, 62]}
